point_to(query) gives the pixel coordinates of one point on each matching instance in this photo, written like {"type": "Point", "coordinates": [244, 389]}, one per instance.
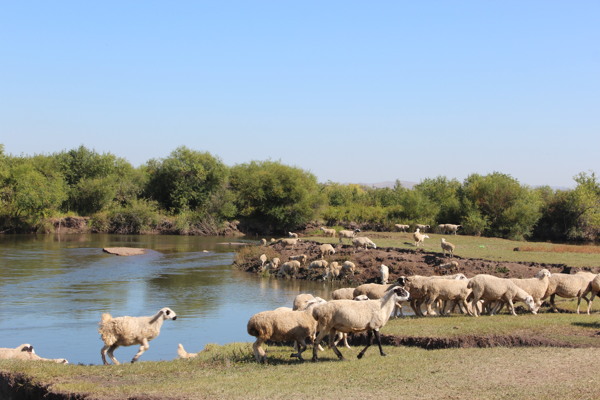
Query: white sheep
{"type": "Point", "coordinates": [299, 257]}
{"type": "Point", "coordinates": [332, 271]}
{"type": "Point", "coordinates": [26, 352]}
{"type": "Point", "coordinates": [376, 291]}
{"type": "Point", "coordinates": [421, 227]}
{"type": "Point", "coordinates": [451, 228]}
{"type": "Point", "coordinates": [348, 268]}
{"type": "Point", "coordinates": [536, 286]}
{"type": "Point", "coordinates": [289, 242]}
{"type": "Point", "coordinates": [363, 242]}
{"type": "Point", "coordinates": [384, 271]}
{"type": "Point", "coordinates": [347, 234]}
{"type": "Point", "coordinates": [127, 331]}
{"type": "Point", "coordinates": [263, 259]}
{"type": "Point", "coordinates": [343, 294]}
{"type": "Point", "coordinates": [293, 235]}
{"type": "Point", "coordinates": [568, 286]}
{"type": "Point", "coordinates": [328, 232]}
{"type": "Point", "coordinates": [289, 268]}
{"type": "Point", "coordinates": [401, 227]}
{"type": "Point", "coordinates": [281, 326]}
{"type": "Point", "coordinates": [419, 238]}
{"type": "Point", "coordinates": [263, 242]}
{"type": "Point", "coordinates": [594, 288]}
{"type": "Point", "coordinates": [326, 249]}
{"type": "Point", "coordinates": [447, 247]}
{"type": "Point", "coordinates": [181, 353]}
{"type": "Point", "coordinates": [445, 290]}
{"type": "Point", "coordinates": [493, 289]}
{"type": "Point", "coordinates": [349, 316]}
{"type": "Point", "coordinates": [303, 300]}
{"type": "Point", "coordinates": [416, 285]}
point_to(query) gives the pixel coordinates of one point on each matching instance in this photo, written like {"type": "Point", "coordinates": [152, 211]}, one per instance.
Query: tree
{"type": "Point", "coordinates": [444, 193]}
{"type": "Point", "coordinates": [275, 196]}
{"type": "Point", "coordinates": [185, 180]}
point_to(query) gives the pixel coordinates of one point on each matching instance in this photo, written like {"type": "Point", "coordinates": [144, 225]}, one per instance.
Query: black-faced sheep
{"type": "Point", "coordinates": [128, 331]}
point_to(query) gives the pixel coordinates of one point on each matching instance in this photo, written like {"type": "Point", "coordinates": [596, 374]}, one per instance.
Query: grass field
{"type": "Point", "coordinates": [229, 372]}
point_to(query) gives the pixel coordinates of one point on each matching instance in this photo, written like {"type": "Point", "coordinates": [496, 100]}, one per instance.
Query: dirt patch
{"type": "Point", "coordinates": [401, 262]}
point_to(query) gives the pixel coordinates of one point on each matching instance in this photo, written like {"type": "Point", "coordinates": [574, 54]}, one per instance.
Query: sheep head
{"type": "Point", "coordinates": [167, 313]}
{"type": "Point", "coordinates": [543, 273]}
{"type": "Point", "coordinates": [531, 304]}
{"type": "Point", "coordinates": [401, 293]}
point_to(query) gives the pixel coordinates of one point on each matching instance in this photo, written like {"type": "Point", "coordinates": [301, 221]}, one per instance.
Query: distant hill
{"type": "Point", "coordinates": [389, 184]}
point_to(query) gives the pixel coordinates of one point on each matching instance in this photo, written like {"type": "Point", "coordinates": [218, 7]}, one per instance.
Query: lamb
{"type": "Point", "coordinates": [26, 352]}
{"type": "Point", "coordinates": [419, 238]}
{"type": "Point", "coordinates": [536, 286]}
{"type": "Point", "coordinates": [281, 326]}
{"type": "Point", "coordinates": [289, 268]}
{"type": "Point", "coordinates": [326, 249]}
{"type": "Point", "coordinates": [343, 294]}
{"type": "Point", "coordinates": [491, 288]}
{"type": "Point", "coordinates": [328, 232]}
{"type": "Point", "coordinates": [385, 273]}
{"type": "Point", "coordinates": [376, 291]}
{"type": "Point", "coordinates": [363, 242]}
{"type": "Point", "coordinates": [300, 257]}
{"type": "Point", "coordinates": [401, 227]}
{"type": "Point", "coordinates": [346, 234]}
{"type": "Point", "coordinates": [568, 286]}
{"type": "Point", "coordinates": [127, 331]}
{"type": "Point", "coordinates": [447, 247]}
{"type": "Point", "coordinates": [349, 316]}
{"type": "Point", "coordinates": [293, 235]}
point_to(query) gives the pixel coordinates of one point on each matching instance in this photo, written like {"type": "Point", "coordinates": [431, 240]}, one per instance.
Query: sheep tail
{"type": "Point", "coordinates": [105, 318]}
{"type": "Point", "coordinates": [470, 285]}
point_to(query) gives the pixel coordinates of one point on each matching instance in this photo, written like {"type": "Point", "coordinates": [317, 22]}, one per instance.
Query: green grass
{"type": "Point", "coordinates": [488, 248]}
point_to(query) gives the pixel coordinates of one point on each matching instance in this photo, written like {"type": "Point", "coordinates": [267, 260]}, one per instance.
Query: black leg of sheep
{"type": "Point", "coordinates": [370, 341]}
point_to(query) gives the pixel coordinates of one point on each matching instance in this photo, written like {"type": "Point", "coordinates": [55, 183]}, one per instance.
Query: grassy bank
{"type": "Point", "coordinates": [229, 372]}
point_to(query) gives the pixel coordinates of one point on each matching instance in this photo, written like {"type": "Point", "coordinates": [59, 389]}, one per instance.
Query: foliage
{"type": "Point", "coordinates": [275, 196]}
{"type": "Point", "coordinates": [140, 216]}
{"type": "Point", "coordinates": [186, 180]}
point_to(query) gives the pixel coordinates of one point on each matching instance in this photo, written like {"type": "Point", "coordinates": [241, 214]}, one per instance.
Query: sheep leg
{"type": "Point", "coordinates": [103, 354]}
{"type": "Point", "coordinates": [579, 302]}
{"type": "Point", "coordinates": [259, 352]}
{"type": "Point", "coordinates": [144, 346]}
{"type": "Point", "coordinates": [590, 302]}
{"type": "Point", "coordinates": [316, 343]}
{"type": "Point", "coordinates": [429, 303]}
{"type": "Point", "coordinates": [511, 306]}
{"type": "Point", "coordinates": [552, 304]}
{"type": "Point", "coordinates": [111, 349]}
{"type": "Point", "coordinates": [301, 344]}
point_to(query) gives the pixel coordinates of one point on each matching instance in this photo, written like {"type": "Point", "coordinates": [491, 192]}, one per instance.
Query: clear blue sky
{"type": "Point", "coordinates": [351, 91]}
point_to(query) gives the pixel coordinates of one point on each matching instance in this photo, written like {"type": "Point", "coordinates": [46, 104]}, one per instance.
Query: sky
{"type": "Point", "coordinates": [351, 91]}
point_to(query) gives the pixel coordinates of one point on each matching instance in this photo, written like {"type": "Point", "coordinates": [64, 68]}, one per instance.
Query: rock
{"type": "Point", "coordinates": [124, 251]}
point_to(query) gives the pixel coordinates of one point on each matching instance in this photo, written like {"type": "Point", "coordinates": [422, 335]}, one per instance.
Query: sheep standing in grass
{"type": "Point", "coordinates": [328, 232]}
{"type": "Point", "coordinates": [384, 271]}
{"type": "Point", "coordinates": [568, 286]}
{"type": "Point", "coordinates": [451, 228]}
{"type": "Point", "coordinates": [447, 247]}
{"type": "Point", "coordinates": [401, 227]}
{"type": "Point", "coordinates": [447, 290]}
{"type": "Point", "coordinates": [326, 249]}
{"type": "Point", "coordinates": [127, 331]}
{"type": "Point", "coordinates": [349, 316]}
{"type": "Point", "coordinates": [419, 238]}
{"type": "Point", "coordinates": [289, 242]}
{"type": "Point", "coordinates": [363, 242]}
{"type": "Point", "coordinates": [421, 227]}
{"type": "Point", "coordinates": [26, 352]}
{"type": "Point", "coordinates": [347, 234]}
{"type": "Point", "coordinates": [536, 286]}
{"type": "Point", "coordinates": [493, 289]}
{"type": "Point", "coordinates": [281, 326]}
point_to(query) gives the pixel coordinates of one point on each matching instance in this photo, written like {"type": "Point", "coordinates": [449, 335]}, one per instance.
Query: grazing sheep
{"type": "Point", "coordinates": [492, 289]}
{"type": "Point", "coordinates": [326, 249]}
{"type": "Point", "coordinates": [421, 227]}
{"type": "Point", "coordinates": [318, 264]}
{"type": "Point", "coordinates": [181, 353]}
{"type": "Point", "coordinates": [300, 257]}
{"type": "Point", "coordinates": [332, 271]}
{"type": "Point", "coordinates": [328, 232]}
{"type": "Point", "coordinates": [293, 235]}
{"type": "Point", "coordinates": [451, 228]}
{"type": "Point", "coordinates": [447, 247]}
{"type": "Point", "coordinates": [349, 316]}
{"type": "Point", "coordinates": [289, 242]}
{"type": "Point", "coordinates": [384, 270]}
{"type": "Point", "coordinates": [419, 238]}
{"type": "Point", "coordinates": [127, 331]}
{"type": "Point", "coordinates": [343, 294]}
{"type": "Point", "coordinates": [26, 352]}
{"type": "Point", "coordinates": [363, 242]}
{"type": "Point", "coordinates": [263, 260]}
{"type": "Point", "coordinates": [568, 286]}
{"type": "Point", "coordinates": [401, 227]}
{"type": "Point", "coordinates": [536, 286]}
{"type": "Point", "coordinates": [348, 268]}
{"type": "Point", "coordinates": [346, 234]}
{"type": "Point", "coordinates": [454, 290]}
{"type": "Point", "coordinates": [282, 326]}
{"type": "Point", "coordinates": [303, 300]}
{"type": "Point", "coordinates": [289, 268]}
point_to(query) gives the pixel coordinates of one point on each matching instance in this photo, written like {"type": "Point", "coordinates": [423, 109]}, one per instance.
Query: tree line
{"type": "Point", "coordinates": [193, 192]}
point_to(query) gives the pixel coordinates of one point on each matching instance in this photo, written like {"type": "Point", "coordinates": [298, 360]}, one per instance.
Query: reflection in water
{"type": "Point", "coordinates": [55, 287]}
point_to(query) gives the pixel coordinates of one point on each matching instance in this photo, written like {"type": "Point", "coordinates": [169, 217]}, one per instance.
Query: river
{"type": "Point", "coordinates": [55, 287]}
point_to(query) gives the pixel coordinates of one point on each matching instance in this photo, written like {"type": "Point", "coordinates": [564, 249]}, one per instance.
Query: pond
{"type": "Point", "coordinates": [55, 288]}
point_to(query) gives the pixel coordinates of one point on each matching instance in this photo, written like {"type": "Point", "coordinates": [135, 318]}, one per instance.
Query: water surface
{"type": "Point", "coordinates": [54, 289]}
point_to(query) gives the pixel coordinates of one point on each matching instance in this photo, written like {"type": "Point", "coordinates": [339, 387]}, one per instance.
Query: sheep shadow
{"type": "Point", "coordinates": [592, 325]}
